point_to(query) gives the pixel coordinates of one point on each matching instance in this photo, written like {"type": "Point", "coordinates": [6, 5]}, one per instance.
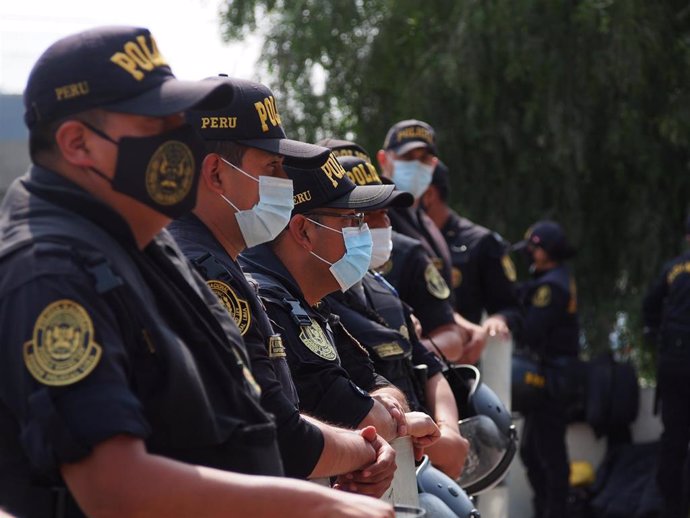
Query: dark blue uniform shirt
{"type": "Point", "coordinates": [101, 339]}
{"type": "Point", "coordinates": [666, 304]}
{"type": "Point", "coordinates": [483, 276]}
{"type": "Point", "coordinates": [332, 372]}
{"type": "Point", "coordinates": [418, 282]}
{"type": "Point", "coordinates": [551, 320]}
{"type": "Point", "coordinates": [301, 443]}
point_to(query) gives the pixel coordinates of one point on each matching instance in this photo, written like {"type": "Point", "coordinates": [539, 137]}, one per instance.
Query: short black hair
{"type": "Point", "coordinates": [230, 150]}
{"type": "Point", "coordinates": [42, 134]}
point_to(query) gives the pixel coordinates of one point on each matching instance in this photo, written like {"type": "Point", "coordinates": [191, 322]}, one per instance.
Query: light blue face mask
{"type": "Point", "coordinates": [351, 267]}
{"type": "Point", "coordinates": [265, 220]}
{"type": "Point", "coordinates": [412, 176]}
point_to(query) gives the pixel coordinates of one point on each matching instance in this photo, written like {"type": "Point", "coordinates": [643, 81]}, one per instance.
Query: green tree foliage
{"type": "Point", "coordinates": [575, 110]}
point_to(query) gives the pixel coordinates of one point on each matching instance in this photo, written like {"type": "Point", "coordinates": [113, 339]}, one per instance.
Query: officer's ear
{"type": "Point", "coordinates": [211, 167]}
{"type": "Point", "coordinates": [385, 163]}
{"type": "Point", "coordinates": [300, 229]}
{"type": "Point", "coordinates": [72, 140]}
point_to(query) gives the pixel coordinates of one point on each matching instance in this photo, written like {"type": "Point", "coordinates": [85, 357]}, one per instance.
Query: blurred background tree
{"type": "Point", "coordinates": [576, 110]}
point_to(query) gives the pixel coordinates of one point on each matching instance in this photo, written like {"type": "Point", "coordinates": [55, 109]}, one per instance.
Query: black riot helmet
{"type": "Point", "coordinates": [487, 425]}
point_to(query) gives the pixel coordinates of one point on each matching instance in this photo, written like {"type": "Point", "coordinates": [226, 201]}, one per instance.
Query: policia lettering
{"type": "Point", "coordinates": [62, 350]}
{"type": "Point", "coordinates": [138, 57]}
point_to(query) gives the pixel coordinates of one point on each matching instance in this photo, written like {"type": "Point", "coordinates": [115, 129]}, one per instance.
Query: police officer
{"type": "Point", "coordinates": [116, 358]}
{"type": "Point", "coordinates": [375, 315]}
{"type": "Point", "coordinates": [483, 275]}
{"type": "Point", "coordinates": [408, 158]}
{"type": "Point", "coordinates": [551, 332]}
{"type": "Point", "coordinates": [666, 315]}
{"type": "Point", "coordinates": [326, 247]}
{"type": "Point", "coordinates": [245, 199]}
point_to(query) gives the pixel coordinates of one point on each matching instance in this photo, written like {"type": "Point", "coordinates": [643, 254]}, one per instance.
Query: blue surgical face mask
{"type": "Point", "coordinates": [351, 267]}
{"type": "Point", "coordinates": [265, 220]}
{"type": "Point", "coordinates": [412, 176]}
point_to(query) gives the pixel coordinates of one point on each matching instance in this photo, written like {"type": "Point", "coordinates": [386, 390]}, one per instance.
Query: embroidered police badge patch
{"type": "Point", "coordinates": [435, 283]}
{"type": "Point", "coordinates": [509, 268]}
{"type": "Point", "coordinates": [170, 173]}
{"type": "Point", "coordinates": [404, 331]}
{"type": "Point", "coordinates": [314, 338]}
{"type": "Point", "coordinates": [237, 307]}
{"type": "Point", "coordinates": [542, 297]}
{"type": "Point", "coordinates": [62, 351]}
{"type": "Point", "coordinates": [456, 277]}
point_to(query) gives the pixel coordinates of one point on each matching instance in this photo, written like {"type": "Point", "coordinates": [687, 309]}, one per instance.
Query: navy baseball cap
{"type": "Point", "coordinates": [344, 148]}
{"type": "Point", "coordinates": [329, 186]}
{"type": "Point", "coordinates": [116, 68]}
{"type": "Point", "coordinates": [252, 119]}
{"type": "Point", "coordinates": [410, 134]}
{"type": "Point", "coordinates": [363, 173]}
{"type": "Point", "coordinates": [550, 236]}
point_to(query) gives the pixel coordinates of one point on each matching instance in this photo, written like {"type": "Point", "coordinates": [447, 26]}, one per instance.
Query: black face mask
{"type": "Point", "coordinates": [160, 171]}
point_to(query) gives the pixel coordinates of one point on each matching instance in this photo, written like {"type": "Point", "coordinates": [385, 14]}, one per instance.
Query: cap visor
{"type": "Point", "coordinates": [175, 96]}
{"type": "Point", "coordinates": [409, 146]}
{"type": "Point", "coordinates": [296, 153]}
{"type": "Point", "coordinates": [368, 197]}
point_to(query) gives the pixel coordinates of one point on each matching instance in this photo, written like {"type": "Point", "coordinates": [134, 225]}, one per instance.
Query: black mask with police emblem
{"type": "Point", "coordinates": [160, 171]}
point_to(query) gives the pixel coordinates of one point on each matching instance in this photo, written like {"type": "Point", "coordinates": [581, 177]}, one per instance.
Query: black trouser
{"type": "Point", "coordinates": [673, 390]}
{"type": "Point", "coordinates": [544, 454]}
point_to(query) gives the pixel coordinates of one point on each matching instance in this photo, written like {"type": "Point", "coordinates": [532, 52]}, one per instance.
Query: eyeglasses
{"type": "Point", "coordinates": [356, 219]}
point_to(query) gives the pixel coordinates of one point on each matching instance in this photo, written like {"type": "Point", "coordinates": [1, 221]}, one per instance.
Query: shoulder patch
{"type": "Point", "coordinates": [509, 268]}
{"type": "Point", "coordinates": [456, 276]}
{"type": "Point", "coordinates": [435, 283]}
{"type": "Point", "coordinates": [315, 339]}
{"type": "Point", "coordinates": [542, 297]}
{"type": "Point", "coordinates": [237, 307]}
{"type": "Point", "coordinates": [62, 351]}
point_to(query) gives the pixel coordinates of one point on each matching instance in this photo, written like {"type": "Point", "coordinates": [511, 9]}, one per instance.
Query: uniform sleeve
{"type": "Point", "coordinates": [547, 305]}
{"type": "Point", "coordinates": [424, 295]}
{"type": "Point", "coordinates": [498, 283]}
{"type": "Point", "coordinates": [324, 387]}
{"type": "Point", "coordinates": [64, 373]}
{"type": "Point", "coordinates": [301, 443]}
{"type": "Point", "coordinates": [653, 301]}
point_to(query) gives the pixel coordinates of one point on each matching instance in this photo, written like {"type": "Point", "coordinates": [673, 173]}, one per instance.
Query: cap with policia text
{"type": "Point", "coordinates": [410, 134]}
{"type": "Point", "coordinates": [344, 148]}
{"type": "Point", "coordinates": [252, 119]}
{"type": "Point", "coordinates": [329, 186]}
{"type": "Point", "coordinates": [550, 236]}
{"type": "Point", "coordinates": [363, 173]}
{"type": "Point", "coordinates": [119, 69]}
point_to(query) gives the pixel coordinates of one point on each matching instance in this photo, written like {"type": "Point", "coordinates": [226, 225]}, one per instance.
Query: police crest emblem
{"type": "Point", "coordinates": [170, 173]}
{"type": "Point", "coordinates": [435, 283]}
{"type": "Point", "coordinates": [509, 268]}
{"type": "Point", "coordinates": [315, 339]}
{"type": "Point", "coordinates": [62, 351]}
{"type": "Point", "coordinates": [237, 307]}
{"type": "Point", "coordinates": [542, 297]}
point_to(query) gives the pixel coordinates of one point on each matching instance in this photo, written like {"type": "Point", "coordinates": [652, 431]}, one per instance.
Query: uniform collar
{"type": "Point", "coordinates": [262, 259]}
{"type": "Point", "coordinates": [58, 190]}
